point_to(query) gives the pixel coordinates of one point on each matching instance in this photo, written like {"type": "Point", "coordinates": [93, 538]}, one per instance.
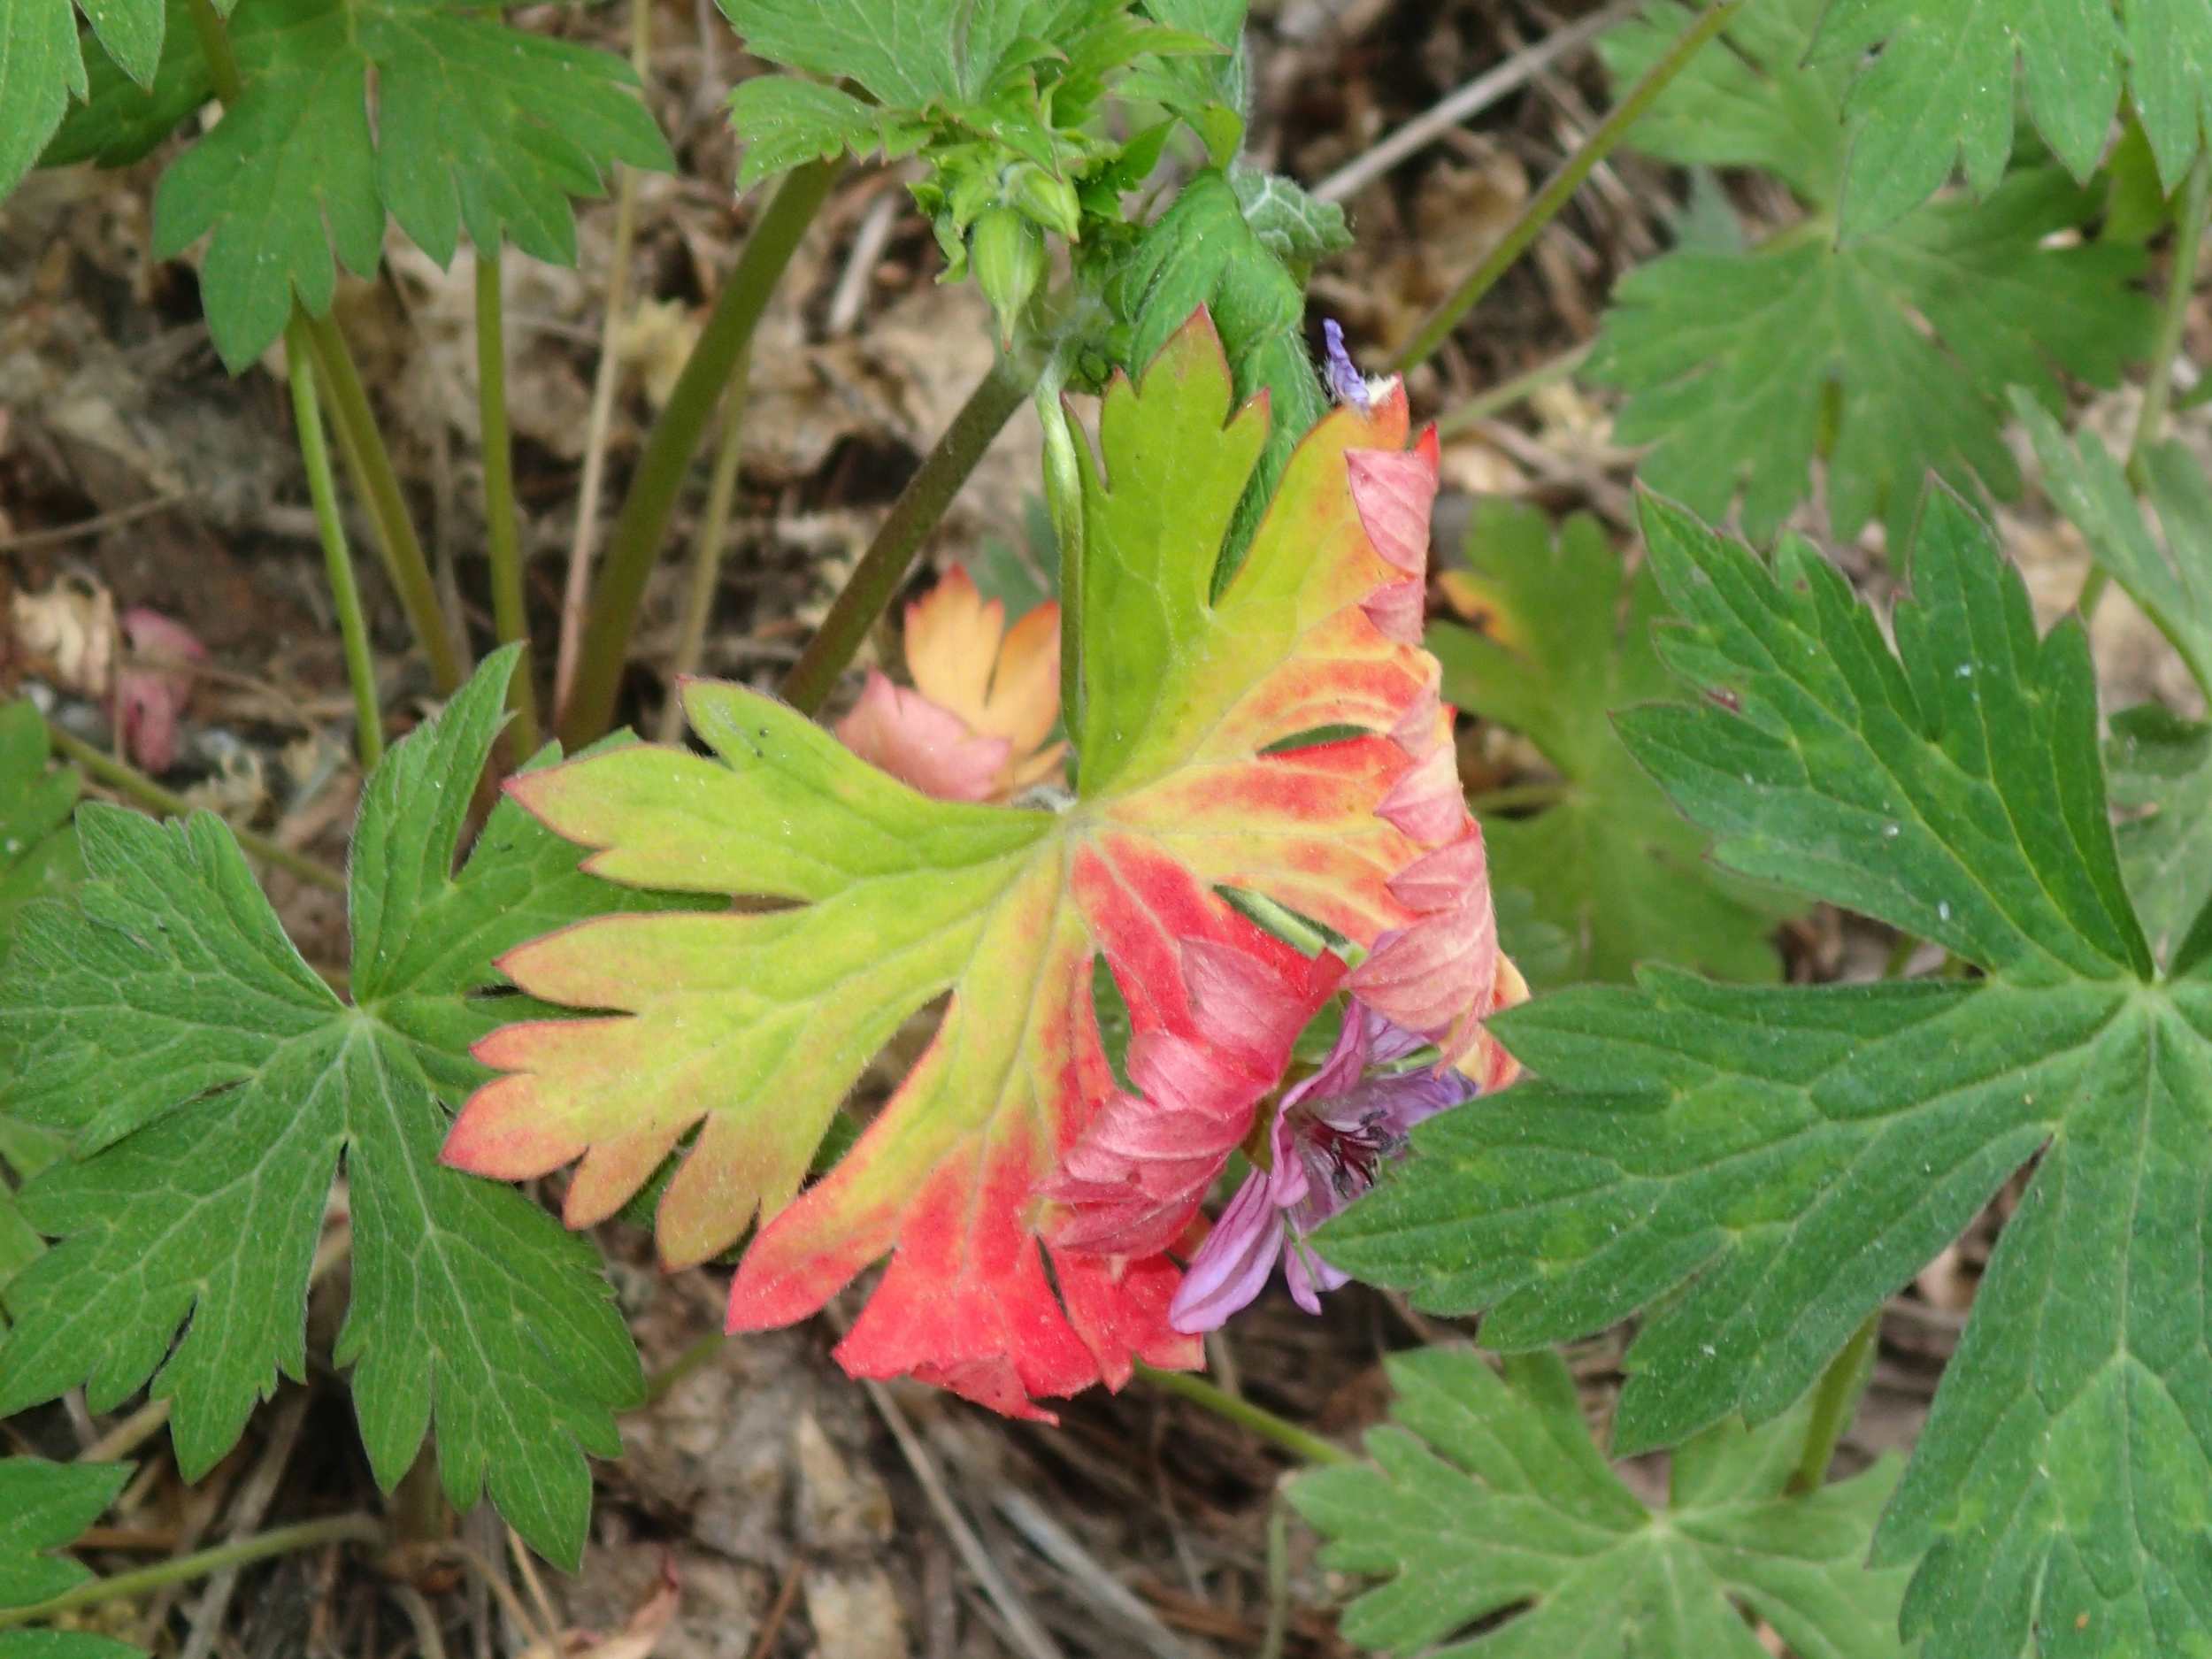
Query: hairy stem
{"type": "Point", "coordinates": [366, 458]}
{"type": "Point", "coordinates": [913, 516]}
{"type": "Point", "coordinates": [576, 591]}
{"type": "Point", "coordinates": [1559, 189]}
{"type": "Point", "coordinates": [345, 592]}
{"type": "Point", "coordinates": [636, 540]}
{"type": "Point", "coordinates": [706, 558]}
{"type": "Point", "coordinates": [1835, 1397]}
{"type": "Point", "coordinates": [2188, 247]}
{"type": "Point", "coordinates": [1064, 497]}
{"type": "Point", "coordinates": [129, 780]}
{"type": "Point", "coordinates": [371, 464]}
{"type": "Point", "coordinates": [1503, 396]}
{"type": "Point", "coordinates": [214, 42]}
{"type": "Point", "coordinates": [283, 1540]}
{"type": "Point", "coordinates": [1262, 1423]}
{"type": "Point", "coordinates": [503, 536]}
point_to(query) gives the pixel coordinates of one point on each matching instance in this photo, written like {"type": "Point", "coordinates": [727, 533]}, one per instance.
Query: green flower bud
{"type": "Point", "coordinates": [1050, 202]}
{"type": "Point", "coordinates": [1007, 252]}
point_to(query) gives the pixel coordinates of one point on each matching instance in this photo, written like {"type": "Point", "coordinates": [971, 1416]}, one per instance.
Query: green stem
{"type": "Point", "coordinates": [283, 1540]}
{"type": "Point", "coordinates": [2188, 245]}
{"type": "Point", "coordinates": [1264, 1423]}
{"type": "Point", "coordinates": [1561, 187]}
{"type": "Point", "coordinates": [691, 1359]}
{"type": "Point", "coordinates": [345, 592]}
{"type": "Point", "coordinates": [371, 464]}
{"type": "Point", "coordinates": [1064, 499]}
{"type": "Point", "coordinates": [635, 542]}
{"type": "Point", "coordinates": [127, 781]}
{"type": "Point", "coordinates": [1501, 397]}
{"type": "Point", "coordinates": [1835, 1397]}
{"type": "Point", "coordinates": [366, 458]}
{"type": "Point", "coordinates": [215, 52]}
{"type": "Point", "coordinates": [706, 558]}
{"type": "Point", "coordinates": [503, 536]}
{"type": "Point", "coordinates": [913, 516]}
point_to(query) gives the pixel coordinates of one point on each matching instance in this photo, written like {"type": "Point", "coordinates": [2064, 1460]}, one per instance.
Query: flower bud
{"type": "Point", "coordinates": [1050, 202]}
{"type": "Point", "coordinates": [1008, 251]}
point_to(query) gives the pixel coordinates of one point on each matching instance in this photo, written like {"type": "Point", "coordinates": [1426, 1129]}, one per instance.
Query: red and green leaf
{"type": "Point", "coordinates": [1010, 1143]}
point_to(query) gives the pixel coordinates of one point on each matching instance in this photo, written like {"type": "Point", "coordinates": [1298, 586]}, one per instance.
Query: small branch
{"type": "Point", "coordinates": [345, 592]}
{"type": "Point", "coordinates": [636, 541]}
{"type": "Point", "coordinates": [1469, 101]}
{"type": "Point", "coordinates": [95, 526]}
{"type": "Point", "coordinates": [1278, 1577]}
{"type": "Point", "coordinates": [128, 1436]}
{"type": "Point", "coordinates": [371, 464]}
{"type": "Point", "coordinates": [1064, 500]}
{"type": "Point", "coordinates": [913, 516]}
{"type": "Point", "coordinates": [1021, 1623]}
{"type": "Point", "coordinates": [254, 1499]}
{"type": "Point", "coordinates": [284, 1540]}
{"type": "Point", "coordinates": [1835, 1397]}
{"type": "Point", "coordinates": [1561, 187]}
{"type": "Point", "coordinates": [502, 536]}
{"type": "Point", "coordinates": [127, 781]}
{"type": "Point", "coordinates": [1514, 798]}
{"type": "Point", "coordinates": [577, 592]}
{"type": "Point", "coordinates": [699, 1352]}
{"type": "Point", "coordinates": [1300, 1442]}
{"type": "Point", "coordinates": [779, 1611]}
{"type": "Point", "coordinates": [706, 556]}
{"type": "Point", "coordinates": [1503, 396]}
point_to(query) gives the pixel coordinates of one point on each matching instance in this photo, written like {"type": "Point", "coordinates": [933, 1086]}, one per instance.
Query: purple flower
{"type": "Point", "coordinates": [1330, 1140]}
{"type": "Point", "coordinates": [1341, 375]}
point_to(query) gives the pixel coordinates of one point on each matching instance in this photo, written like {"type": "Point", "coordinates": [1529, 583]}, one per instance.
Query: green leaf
{"type": "Point", "coordinates": [1488, 1498]}
{"type": "Point", "coordinates": [1741, 370]}
{"type": "Point", "coordinates": [1291, 225]}
{"type": "Point", "coordinates": [1749, 100]}
{"type": "Point", "coordinates": [119, 122]}
{"type": "Point", "coordinates": [783, 121]}
{"type": "Point", "coordinates": [1939, 88]}
{"type": "Point", "coordinates": [1758, 1170]}
{"type": "Point", "coordinates": [1886, 358]}
{"type": "Point", "coordinates": [1612, 865]}
{"type": "Point", "coordinates": [43, 1507]}
{"type": "Point", "coordinates": [37, 854]}
{"type": "Point", "coordinates": [2162, 770]}
{"type": "Point", "coordinates": [478, 127]}
{"type": "Point", "coordinates": [2174, 586]}
{"type": "Point", "coordinates": [214, 1084]}
{"type": "Point", "coordinates": [42, 66]}
{"type": "Point", "coordinates": [1204, 251]}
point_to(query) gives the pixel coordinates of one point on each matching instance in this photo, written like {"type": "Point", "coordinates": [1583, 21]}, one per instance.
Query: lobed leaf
{"type": "Point", "coordinates": [37, 854]}
{"type": "Point", "coordinates": [213, 1085]}
{"type": "Point", "coordinates": [2174, 584]}
{"type": "Point", "coordinates": [44, 1508]}
{"type": "Point", "coordinates": [478, 129]}
{"type": "Point", "coordinates": [867, 901]}
{"type": "Point", "coordinates": [1940, 83]}
{"type": "Point", "coordinates": [1757, 1169]}
{"type": "Point", "coordinates": [2161, 772]}
{"type": "Point", "coordinates": [1486, 1503]}
{"type": "Point", "coordinates": [43, 67]}
{"type": "Point", "coordinates": [1611, 865]}
{"type": "Point", "coordinates": [1885, 357]}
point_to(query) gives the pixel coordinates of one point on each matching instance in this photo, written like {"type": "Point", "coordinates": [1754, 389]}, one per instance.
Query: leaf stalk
{"type": "Point", "coordinates": [913, 516]}
{"type": "Point", "coordinates": [714, 534]}
{"type": "Point", "coordinates": [1300, 1442]}
{"type": "Point", "coordinates": [1560, 189]}
{"type": "Point", "coordinates": [283, 1540]}
{"type": "Point", "coordinates": [503, 535]}
{"type": "Point", "coordinates": [636, 539]}
{"type": "Point", "coordinates": [345, 591]}
{"type": "Point", "coordinates": [129, 781]}
{"type": "Point", "coordinates": [1835, 1397]}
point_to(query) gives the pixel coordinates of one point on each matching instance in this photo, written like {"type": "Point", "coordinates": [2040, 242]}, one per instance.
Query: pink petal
{"type": "Point", "coordinates": [1308, 1275]}
{"type": "Point", "coordinates": [921, 743]}
{"type": "Point", "coordinates": [1232, 1267]}
{"type": "Point", "coordinates": [1438, 975]}
{"type": "Point", "coordinates": [151, 698]}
